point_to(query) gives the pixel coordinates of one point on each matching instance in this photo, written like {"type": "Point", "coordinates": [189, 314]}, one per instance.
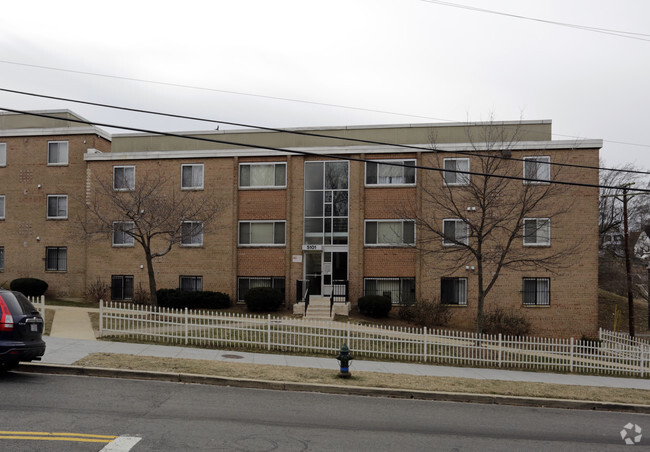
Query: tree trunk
{"type": "Point", "coordinates": [153, 297]}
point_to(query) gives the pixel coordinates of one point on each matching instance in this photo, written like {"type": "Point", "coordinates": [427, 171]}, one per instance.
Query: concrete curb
{"type": "Point", "coordinates": [57, 369]}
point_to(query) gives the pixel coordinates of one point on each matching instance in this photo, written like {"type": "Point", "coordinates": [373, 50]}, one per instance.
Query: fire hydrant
{"type": "Point", "coordinates": [344, 359]}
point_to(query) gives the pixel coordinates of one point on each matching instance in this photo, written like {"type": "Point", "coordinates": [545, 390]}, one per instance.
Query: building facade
{"type": "Point", "coordinates": [355, 206]}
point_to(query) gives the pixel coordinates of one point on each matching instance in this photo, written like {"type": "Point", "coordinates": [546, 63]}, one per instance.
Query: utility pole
{"type": "Point", "coordinates": [628, 269]}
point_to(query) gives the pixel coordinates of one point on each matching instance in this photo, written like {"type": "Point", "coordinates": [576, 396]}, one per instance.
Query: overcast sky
{"type": "Point", "coordinates": [304, 63]}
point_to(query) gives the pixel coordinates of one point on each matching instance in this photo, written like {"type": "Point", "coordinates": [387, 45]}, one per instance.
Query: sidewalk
{"type": "Point", "coordinates": [71, 341]}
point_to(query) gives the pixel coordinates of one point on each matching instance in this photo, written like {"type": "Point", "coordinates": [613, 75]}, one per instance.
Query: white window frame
{"type": "Point", "coordinates": [399, 223]}
{"type": "Point", "coordinates": [543, 163]}
{"type": "Point", "coordinates": [539, 224]}
{"type": "Point", "coordinates": [258, 222]}
{"type": "Point", "coordinates": [2, 207]}
{"type": "Point", "coordinates": [197, 282]}
{"type": "Point", "coordinates": [460, 296]}
{"type": "Point", "coordinates": [258, 164]}
{"type": "Point", "coordinates": [544, 291]}
{"type": "Point", "coordinates": [462, 177]}
{"type": "Point", "coordinates": [456, 241]}
{"type": "Point", "coordinates": [3, 154]}
{"type": "Point", "coordinates": [391, 184]}
{"type": "Point", "coordinates": [57, 217]}
{"type": "Point", "coordinates": [128, 239]}
{"type": "Point", "coordinates": [193, 166]}
{"type": "Point", "coordinates": [63, 161]}
{"type": "Point", "coordinates": [130, 183]}
{"type": "Point", "coordinates": [59, 249]}
{"type": "Point", "coordinates": [196, 239]}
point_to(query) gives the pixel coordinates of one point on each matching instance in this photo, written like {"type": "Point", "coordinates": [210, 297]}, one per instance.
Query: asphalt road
{"type": "Point", "coordinates": [181, 417]}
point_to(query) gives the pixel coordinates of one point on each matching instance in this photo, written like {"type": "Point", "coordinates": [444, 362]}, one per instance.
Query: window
{"type": "Point", "coordinates": [326, 203]}
{"type": "Point", "coordinates": [3, 154]}
{"type": "Point", "coordinates": [537, 292]}
{"type": "Point", "coordinates": [262, 233]}
{"type": "Point", "coordinates": [124, 178]}
{"type": "Point", "coordinates": [387, 232]}
{"type": "Point", "coordinates": [121, 287]}
{"type": "Point", "coordinates": [57, 153]}
{"type": "Point", "coordinates": [192, 233]}
{"type": "Point", "coordinates": [453, 291]}
{"type": "Point", "coordinates": [122, 233]}
{"type": "Point", "coordinates": [400, 291]}
{"type": "Point", "coordinates": [398, 172]}
{"type": "Point", "coordinates": [455, 232]}
{"type": "Point", "coordinates": [262, 175]}
{"type": "Point", "coordinates": [452, 174]}
{"type": "Point", "coordinates": [537, 232]}
{"type": "Point", "coordinates": [192, 177]}
{"type": "Point", "coordinates": [191, 283]}
{"type": "Point", "coordinates": [57, 207]}
{"type": "Point", "coordinates": [2, 258]}
{"type": "Point", "coordinates": [537, 170]}
{"type": "Point", "coordinates": [246, 283]}
{"type": "Point", "coordinates": [2, 207]}
{"type": "Point", "coordinates": [56, 258]}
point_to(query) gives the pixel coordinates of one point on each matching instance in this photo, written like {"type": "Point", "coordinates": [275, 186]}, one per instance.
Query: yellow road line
{"type": "Point", "coordinates": [54, 436]}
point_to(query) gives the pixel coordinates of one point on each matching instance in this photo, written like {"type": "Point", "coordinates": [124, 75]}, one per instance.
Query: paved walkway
{"type": "Point", "coordinates": [65, 346]}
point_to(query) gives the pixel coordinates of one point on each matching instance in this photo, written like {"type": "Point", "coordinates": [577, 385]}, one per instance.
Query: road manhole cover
{"type": "Point", "coordinates": [233, 356]}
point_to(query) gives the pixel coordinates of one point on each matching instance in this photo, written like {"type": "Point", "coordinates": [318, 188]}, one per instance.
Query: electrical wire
{"type": "Point", "coordinates": [303, 133]}
{"type": "Point", "coordinates": [307, 153]}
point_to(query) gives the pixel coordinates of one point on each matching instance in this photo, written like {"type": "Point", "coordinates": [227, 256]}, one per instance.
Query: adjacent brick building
{"type": "Point", "coordinates": [335, 206]}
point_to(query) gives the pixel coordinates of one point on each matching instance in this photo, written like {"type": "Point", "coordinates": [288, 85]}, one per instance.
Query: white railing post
{"type": "Point", "coordinates": [426, 348]}
{"type": "Point", "coordinates": [642, 350]}
{"type": "Point", "coordinates": [268, 331]}
{"type": "Point", "coordinates": [500, 349]}
{"type": "Point", "coordinates": [571, 361]}
{"type": "Point", "coordinates": [187, 327]}
{"type": "Point", "coordinates": [101, 317]}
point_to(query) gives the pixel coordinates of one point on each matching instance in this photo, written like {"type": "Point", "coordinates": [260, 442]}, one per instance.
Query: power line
{"type": "Point", "coordinates": [607, 31]}
{"type": "Point", "coordinates": [307, 153]}
{"type": "Point", "coordinates": [303, 133]}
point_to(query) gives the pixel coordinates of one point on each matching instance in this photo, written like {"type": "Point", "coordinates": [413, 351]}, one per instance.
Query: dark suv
{"type": "Point", "coordinates": [21, 328]}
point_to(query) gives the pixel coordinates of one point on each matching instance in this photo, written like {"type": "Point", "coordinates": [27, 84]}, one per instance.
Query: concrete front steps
{"type": "Point", "coordinates": [319, 308]}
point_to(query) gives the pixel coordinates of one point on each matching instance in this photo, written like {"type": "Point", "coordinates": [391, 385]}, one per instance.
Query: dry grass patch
{"type": "Point", "coordinates": [367, 379]}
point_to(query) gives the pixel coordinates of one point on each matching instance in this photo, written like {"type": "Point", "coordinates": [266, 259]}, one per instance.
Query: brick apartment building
{"type": "Point", "coordinates": [303, 205]}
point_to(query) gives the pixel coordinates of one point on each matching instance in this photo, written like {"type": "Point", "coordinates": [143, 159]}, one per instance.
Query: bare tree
{"type": "Point", "coordinates": [153, 212]}
{"type": "Point", "coordinates": [479, 212]}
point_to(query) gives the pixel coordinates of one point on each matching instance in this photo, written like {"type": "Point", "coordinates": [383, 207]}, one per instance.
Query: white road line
{"type": "Point", "coordinates": [121, 444]}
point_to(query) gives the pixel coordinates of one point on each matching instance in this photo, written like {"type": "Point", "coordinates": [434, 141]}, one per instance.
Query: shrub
{"type": "Point", "coordinates": [176, 298]}
{"type": "Point", "coordinates": [98, 290]}
{"type": "Point", "coordinates": [508, 323]}
{"type": "Point", "coordinates": [30, 287]}
{"type": "Point", "coordinates": [374, 305]}
{"type": "Point", "coordinates": [260, 299]}
{"type": "Point", "coordinates": [429, 313]}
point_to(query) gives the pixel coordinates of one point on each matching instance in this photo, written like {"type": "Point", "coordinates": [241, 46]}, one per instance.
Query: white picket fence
{"type": "Point", "coordinates": [39, 304]}
{"type": "Point", "coordinates": [611, 355]}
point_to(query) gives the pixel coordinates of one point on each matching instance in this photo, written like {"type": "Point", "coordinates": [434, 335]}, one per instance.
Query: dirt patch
{"type": "Point", "coordinates": [367, 379]}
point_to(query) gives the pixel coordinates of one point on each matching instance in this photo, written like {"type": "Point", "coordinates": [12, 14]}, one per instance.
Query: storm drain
{"type": "Point", "coordinates": [233, 356]}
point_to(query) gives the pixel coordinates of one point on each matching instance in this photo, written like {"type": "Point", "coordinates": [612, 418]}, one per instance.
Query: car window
{"type": "Point", "coordinates": [18, 304]}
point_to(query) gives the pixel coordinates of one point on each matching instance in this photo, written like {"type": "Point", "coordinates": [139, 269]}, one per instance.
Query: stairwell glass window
{"type": "Point", "coordinates": [124, 178]}
{"type": "Point", "coordinates": [192, 233]}
{"type": "Point", "coordinates": [262, 233]}
{"type": "Point", "coordinates": [456, 171]}
{"type": "Point", "coordinates": [121, 287]}
{"type": "Point", "coordinates": [3, 154]}
{"type": "Point", "coordinates": [191, 283]}
{"type": "Point", "coordinates": [57, 153]}
{"type": "Point", "coordinates": [390, 172]}
{"type": "Point", "coordinates": [56, 258]}
{"type": "Point", "coordinates": [537, 232]}
{"type": "Point", "coordinates": [57, 207]}
{"type": "Point", "coordinates": [453, 291]}
{"type": "Point", "coordinates": [536, 291]}
{"type": "Point", "coordinates": [263, 175]}
{"type": "Point", "coordinates": [122, 233]}
{"type": "Point", "coordinates": [390, 232]}
{"type": "Point", "coordinates": [537, 170]}
{"type": "Point", "coordinates": [455, 232]}
{"type": "Point", "coordinates": [192, 177]}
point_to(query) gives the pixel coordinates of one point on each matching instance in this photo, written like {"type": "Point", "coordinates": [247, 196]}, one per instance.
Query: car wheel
{"type": "Point", "coordinates": [6, 367]}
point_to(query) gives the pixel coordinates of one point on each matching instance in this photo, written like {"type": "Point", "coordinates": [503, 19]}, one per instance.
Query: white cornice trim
{"type": "Point", "coordinates": [31, 132]}
{"type": "Point", "coordinates": [343, 150]}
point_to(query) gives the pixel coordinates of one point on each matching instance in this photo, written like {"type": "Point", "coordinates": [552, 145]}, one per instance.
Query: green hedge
{"type": "Point", "coordinates": [176, 298]}
{"type": "Point", "coordinates": [30, 287]}
{"type": "Point", "coordinates": [375, 305]}
{"type": "Point", "coordinates": [263, 299]}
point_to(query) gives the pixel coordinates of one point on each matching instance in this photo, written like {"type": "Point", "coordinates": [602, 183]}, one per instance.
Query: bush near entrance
{"type": "Point", "coordinates": [375, 305]}
{"type": "Point", "coordinates": [30, 287]}
{"type": "Point", "coordinates": [176, 298]}
{"type": "Point", "coordinates": [261, 299]}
